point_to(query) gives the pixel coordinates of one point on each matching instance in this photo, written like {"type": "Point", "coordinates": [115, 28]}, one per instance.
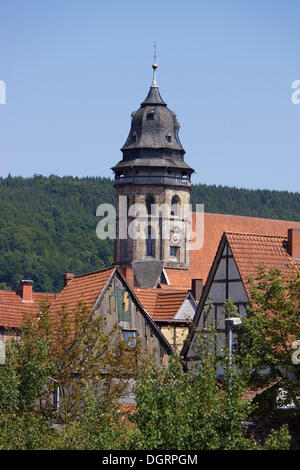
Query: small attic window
{"type": "Point", "coordinates": [130, 337]}
{"type": "Point", "coordinates": [150, 116]}
{"type": "Point", "coordinates": [169, 137]}
{"type": "Point", "coordinates": [134, 136]}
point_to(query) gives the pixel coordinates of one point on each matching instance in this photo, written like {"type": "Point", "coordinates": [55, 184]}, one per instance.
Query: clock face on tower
{"type": "Point", "coordinates": [175, 236]}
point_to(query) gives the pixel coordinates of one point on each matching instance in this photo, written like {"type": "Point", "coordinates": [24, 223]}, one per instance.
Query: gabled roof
{"type": "Point", "coordinates": [214, 226]}
{"type": "Point", "coordinates": [12, 307]}
{"type": "Point", "coordinates": [201, 260]}
{"type": "Point", "coordinates": [161, 304]}
{"type": "Point", "coordinates": [168, 304]}
{"type": "Point", "coordinates": [249, 251]}
{"type": "Point", "coordinates": [86, 289]}
{"type": "Point", "coordinates": [148, 298]}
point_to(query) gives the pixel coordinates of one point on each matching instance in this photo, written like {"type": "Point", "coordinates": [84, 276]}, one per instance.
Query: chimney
{"type": "Point", "coordinates": [68, 278]}
{"type": "Point", "coordinates": [197, 287]}
{"type": "Point", "coordinates": [294, 243]}
{"type": "Point", "coordinates": [26, 290]}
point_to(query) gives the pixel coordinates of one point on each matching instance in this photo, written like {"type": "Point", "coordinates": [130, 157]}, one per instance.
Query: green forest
{"type": "Point", "coordinates": [48, 224]}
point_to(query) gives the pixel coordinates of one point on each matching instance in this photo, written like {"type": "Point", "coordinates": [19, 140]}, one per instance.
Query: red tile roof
{"type": "Point", "coordinates": [201, 260]}
{"type": "Point", "coordinates": [214, 226]}
{"type": "Point", "coordinates": [127, 408]}
{"type": "Point", "coordinates": [12, 307]}
{"type": "Point", "coordinates": [148, 298]}
{"type": "Point", "coordinates": [83, 289]}
{"type": "Point", "coordinates": [168, 304]}
{"type": "Point", "coordinates": [251, 250]}
{"type": "Point", "coordinates": [161, 304]}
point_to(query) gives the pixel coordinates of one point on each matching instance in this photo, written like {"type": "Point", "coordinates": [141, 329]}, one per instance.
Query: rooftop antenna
{"type": "Point", "coordinates": [154, 66]}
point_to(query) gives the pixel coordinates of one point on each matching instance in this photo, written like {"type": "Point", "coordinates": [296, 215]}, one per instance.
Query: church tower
{"type": "Point", "coordinates": [154, 177]}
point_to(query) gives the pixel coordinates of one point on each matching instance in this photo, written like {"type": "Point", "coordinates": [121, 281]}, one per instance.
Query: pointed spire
{"type": "Point", "coordinates": [153, 97]}
{"type": "Point", "coordinates": [154, 66]}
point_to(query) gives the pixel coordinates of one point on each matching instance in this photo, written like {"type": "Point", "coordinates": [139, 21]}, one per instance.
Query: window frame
{"type": "Point", "coordinates": [134, 336]}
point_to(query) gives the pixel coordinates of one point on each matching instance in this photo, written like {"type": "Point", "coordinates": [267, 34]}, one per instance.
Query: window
{"type": "Point", "coordinates": [150, 116]}
{"type": "Point", "coordinates": [130, 336]}
{"type": "Point", "coordinates": [134, 136]}
{"type": "Point", "coordinates": [149, 202]}
{"type": "Point", "coordinates": [169, 137]}
{"type": "Point", "coordinates": [150, 242]}
{"type": "Point", "coordinates": [175, 206]}
{"type": "Point", "coordinates": [173, 251]}
{"type": "Point", "coordinates": [124, 249]}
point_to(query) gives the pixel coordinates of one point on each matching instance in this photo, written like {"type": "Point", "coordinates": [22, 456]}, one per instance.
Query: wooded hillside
{"type": "Point", "coordinates": [48, 224]}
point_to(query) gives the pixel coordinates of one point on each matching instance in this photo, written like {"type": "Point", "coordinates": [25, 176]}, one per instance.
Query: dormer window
{"type": "Point", "coordinates": [169, 137]}
{"type": "Point", "coordinates": [134, 136]}
{"type": "Point", "coordinates": [150, 116]}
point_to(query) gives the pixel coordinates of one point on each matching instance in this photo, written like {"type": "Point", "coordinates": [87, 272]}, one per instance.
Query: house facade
{"type": "Point", "coordinates": [237, 257]}
{"type": "Point", "coordinates": [14, 305]}
{"type": "Point", "coordinates": [106, 293]}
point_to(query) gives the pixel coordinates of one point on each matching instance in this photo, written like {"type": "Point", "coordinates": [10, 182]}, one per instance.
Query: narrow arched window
{"type": "Point", "coordinates": [150, 241]}
{"type": "Point", "coordinates": [128, 205]}
{"type": "Point", "coordinates": [175, 206]}
{"type": "Point", "coordinates": [149, 202]}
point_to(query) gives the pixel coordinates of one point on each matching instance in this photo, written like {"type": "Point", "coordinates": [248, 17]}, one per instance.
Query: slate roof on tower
{"type": "Point", "coordinates": [153, 138]}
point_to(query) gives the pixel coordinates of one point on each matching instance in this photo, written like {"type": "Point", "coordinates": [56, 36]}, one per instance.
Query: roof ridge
{"type": "Point", "coordinates": [173, 291]}
{"type": "Point", "coordinates": [250, 217]}
{"type": "Point", "coordinates": [255, 235]}
{"type": "Point", "coordinates": [95, 272]}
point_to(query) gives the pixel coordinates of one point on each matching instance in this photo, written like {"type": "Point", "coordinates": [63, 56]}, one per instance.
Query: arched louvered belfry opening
{"type": "Point", "coordinates": [150, 241]}
{"type": "Point", "coordinates": [175, 206]}
{"type": "Point", "coordinates": [149, 202]}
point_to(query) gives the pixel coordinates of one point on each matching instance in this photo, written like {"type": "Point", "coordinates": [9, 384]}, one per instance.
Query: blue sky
{"type": "Point", "coordinates": [75, 70]}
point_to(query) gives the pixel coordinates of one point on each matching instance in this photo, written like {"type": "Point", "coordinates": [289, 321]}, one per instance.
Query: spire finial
{"type": "Point", "coordinates": [154, 66]}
